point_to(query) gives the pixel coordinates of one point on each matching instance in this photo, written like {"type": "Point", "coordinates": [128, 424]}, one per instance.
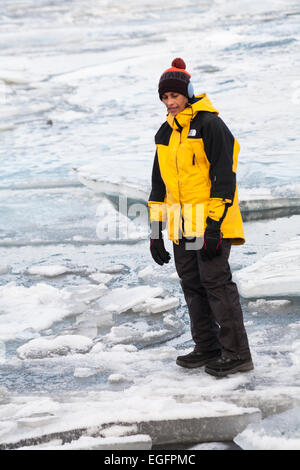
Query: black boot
{"type": "Point", "coordinates": [197, 359]}
{"type": "Point", "coordinates": [225, 366]}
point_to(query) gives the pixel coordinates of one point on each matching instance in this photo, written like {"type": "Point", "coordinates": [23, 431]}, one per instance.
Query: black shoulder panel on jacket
{"type": "Point", "coordinates": [163, 134]}
{"type": "Point", "coordinates": [198, 122]}
{"type": "Point", "coordinates": [218, 145]}
{"type": "Point", "coordinates": [158, 190]}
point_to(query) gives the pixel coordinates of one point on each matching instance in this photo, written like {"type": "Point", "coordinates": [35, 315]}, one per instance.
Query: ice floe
{"type": "Point", "coordinates": [276, 274]}
{"type": "Point", "coordinates": [47, 271]}
{"type": "Point", "coordinates": [39, 348]}
{"type": "Point", "coordinates": [101, 278]}
{"type": "Point", "coordinates": [277, 432]}
{"type": "Point", "coordinates": [264, 304]}
{"type": "Point", "coordinates": [164, 420]}
{"type": "Point", "coordinates": [121, 299]}
{"type": "Point", "coordinates": [19, 302]}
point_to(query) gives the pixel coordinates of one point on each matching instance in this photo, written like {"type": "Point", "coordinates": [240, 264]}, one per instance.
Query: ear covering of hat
{"type": "Point", "coordinates": [176, 79]}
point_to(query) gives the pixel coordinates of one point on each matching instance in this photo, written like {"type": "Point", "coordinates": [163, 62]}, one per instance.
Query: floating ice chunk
{"type": "Point", "coordinates": [99, 319]}
{"type": "Point", "coordinates": [125, 347]}
{"type": "Point", "coordinates": [98, 347]}
{"type": "Point", "coordinates": [36, 307]}
{"type": "Point", "coordinates": [251, 194]}
{"type": "Point", "coordinates": [84, 328]}
{"type": "Point", "coordinates": [171, 321]}
{"type": "Point", "coordinates": [276, 274]}
{"type": "Point", "coordinates": [122, 299]}
{"type": "Point", "coordinates": [155, 334]}
{"type": "Point", "coordinates": [116, 378]}
{"type": "Point", "coordinates": [147, 272]}
{"type": "Point", "coordinates": [86, 293]}
{"type": "Point", "coordinates": [102, 278]}
{"type": "Point", "coordinates": [90, 176]}
{"type": "Point", "coordinates": [83, 372]}
{"type": "Point", "coordinates": [156, 305]}
{"type": "Point", "coordinates": [48, 347]}
{"type": "Point", "coordinates": [161, 305]}
{"type": "Point", "coordinates": [277, 432]}
{"type": "Point", "coordinates": [269, 304]}
{"type": "Point", "coordinates": [48, 271]}
{"type": "Point", "coordinates": [113, 269]}
{"type": "Point", "coordinates": [119, 334]}
{"type": "Point", "coordinates": [174, 276]}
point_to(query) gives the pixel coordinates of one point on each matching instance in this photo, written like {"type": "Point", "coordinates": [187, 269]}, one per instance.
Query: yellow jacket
{"type": "Point", "coordinates": [194, 174]}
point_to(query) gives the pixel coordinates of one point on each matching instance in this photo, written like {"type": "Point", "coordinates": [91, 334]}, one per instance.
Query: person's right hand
{"type": "Point", "coordinates": [158, 251]}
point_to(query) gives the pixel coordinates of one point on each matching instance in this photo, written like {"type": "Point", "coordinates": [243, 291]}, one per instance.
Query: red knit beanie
{"type": "Point", "coordinates": [176, 79]}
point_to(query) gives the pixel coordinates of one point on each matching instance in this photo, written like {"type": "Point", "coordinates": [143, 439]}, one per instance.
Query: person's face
{"type": "Point", "coordinates": [174, 102]}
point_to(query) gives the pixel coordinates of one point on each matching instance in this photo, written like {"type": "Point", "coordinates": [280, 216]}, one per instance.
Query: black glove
{"type": "Point", "coordinates": [213, 239]}
{"type": "Point", "coordinates": [157, 247]}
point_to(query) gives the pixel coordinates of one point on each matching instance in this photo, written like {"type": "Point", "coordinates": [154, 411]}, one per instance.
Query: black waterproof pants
{"type": "Point", "coordinates": [213, 301]}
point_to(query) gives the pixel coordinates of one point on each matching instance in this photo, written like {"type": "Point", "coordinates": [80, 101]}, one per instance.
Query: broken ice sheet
{"type": "Point", "coordinates": [277, 432]}
{"type": "Point", "coordinates": [40, 348]}
{"type": "Point", "coordinates": [122, 299]}
{"type": "Point", "coordinates": [48, 271]}
{"type": "Point", "coordinates": [269, 277]}
{"type": "Point", "coordinates": [48, 303]}
{"type": "Point", "coordinates": [102, 278]}
{"type": "Point", "coordinates": [142, 333]}
{"type": "Point", "coordinates": [263, 304]}
{"type": "Point", "coordinates": [86, 293]}
{"type": "Point", "coordinates": [156, 305]}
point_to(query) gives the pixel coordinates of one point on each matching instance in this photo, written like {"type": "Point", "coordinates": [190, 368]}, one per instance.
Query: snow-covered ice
{"type": "Point", "coordinates": [48, 347]}
{"type": "Point", "coordinates": [134, 442]}
{"type": "Point", "coordinates": [122, 299]}
{"type": "Point", "coordinates": [47, 271]}
{"type": "Point", "coordinates": [36, 307]}
{"type": "Point", "coordinates": [277, 432]}
{"type": "Point", "coordinates": [276, 274]}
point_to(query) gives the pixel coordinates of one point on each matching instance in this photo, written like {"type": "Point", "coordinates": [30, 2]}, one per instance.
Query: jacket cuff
{"type": "Point", "coordinates": [217, 208]}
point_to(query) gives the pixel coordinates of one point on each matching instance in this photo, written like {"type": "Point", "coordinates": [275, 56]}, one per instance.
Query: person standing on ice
{"type": "Point", "coordinates": [194, 192]}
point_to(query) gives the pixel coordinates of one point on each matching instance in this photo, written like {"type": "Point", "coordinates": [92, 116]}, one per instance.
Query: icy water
{"type": "Point", "coordinates": [78, 89]}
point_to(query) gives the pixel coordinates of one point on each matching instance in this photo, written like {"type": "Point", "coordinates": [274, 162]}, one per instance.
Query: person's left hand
{"type": "Point", "coordinates": [213, 239]}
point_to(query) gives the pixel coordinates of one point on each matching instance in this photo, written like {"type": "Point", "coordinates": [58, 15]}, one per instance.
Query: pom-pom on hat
{"type": "Point", "coordinates": [176, 79]}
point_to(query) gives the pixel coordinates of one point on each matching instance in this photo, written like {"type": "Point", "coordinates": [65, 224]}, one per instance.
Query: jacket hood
{"type": "Point", "coordinates": [184, 118]}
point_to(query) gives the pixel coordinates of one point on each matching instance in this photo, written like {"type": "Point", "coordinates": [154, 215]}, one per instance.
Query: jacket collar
{"type": "Point", "coordinates": [184, 118]}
